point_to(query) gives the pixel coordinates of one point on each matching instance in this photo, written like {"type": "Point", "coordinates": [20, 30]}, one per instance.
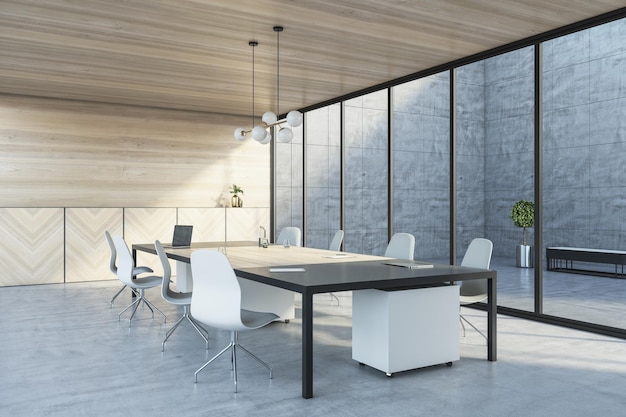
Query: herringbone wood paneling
{"type": "Point", "coordinates": [142, 225]}
{"type": "Point", "coordinates": [87, 253]}
{"type": "Point", "coordinates": [243, 223]}
{"type": "Point", "coordinates": [32, 246]}
{"type": "Point", "coordinates": [208, 223]}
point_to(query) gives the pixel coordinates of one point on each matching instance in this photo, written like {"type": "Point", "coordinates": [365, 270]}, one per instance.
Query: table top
{"type": "Point", "coordinates": [324, 270]}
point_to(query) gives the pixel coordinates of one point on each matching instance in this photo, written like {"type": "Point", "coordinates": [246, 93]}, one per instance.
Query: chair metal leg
{"type": "Point", "coordinates": [474, 327]}
{"type": "Point", "coordinates": [234, 350]}
{"type": "Point", "coordinates": [256, 358]}
{"type": "Point", "coordinates": [212, 359]}
{"type": "Point", "coordinates": [200, 329]}
{"type": "Point", "coordinates": [149, 304]}
{"type": "Point", "coordinates": [204, 333]}
{"type": "Point", "coordinates": [115, 296]}
{"type": "Point", "coordinates": [133, 313]}
{"type": "Point", "coordinates": [233, 345]}
{"type": "Point", "coordinates": [170, 331]}
{"type": "Point", "coordinates": [135, 304]}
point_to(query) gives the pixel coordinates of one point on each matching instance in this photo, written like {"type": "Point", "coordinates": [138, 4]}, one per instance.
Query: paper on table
{"type": "Point", "coordinates": [287, 270]}
{"type": "Point", "coordinates": [339, 256]}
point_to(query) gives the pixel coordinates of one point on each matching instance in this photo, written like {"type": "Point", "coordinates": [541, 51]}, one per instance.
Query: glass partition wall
{"type": "Point", "coordinates": [380, 162]}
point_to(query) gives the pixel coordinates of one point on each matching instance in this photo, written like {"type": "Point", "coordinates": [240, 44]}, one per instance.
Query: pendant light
{"type": "Point", "coordinates": [261, 133]}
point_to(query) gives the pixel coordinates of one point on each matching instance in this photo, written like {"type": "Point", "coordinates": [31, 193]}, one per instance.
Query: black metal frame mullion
{"type": "Point", "coordinates": [538, 263]}
{"type": "Point", "coordinates": [453, 173]}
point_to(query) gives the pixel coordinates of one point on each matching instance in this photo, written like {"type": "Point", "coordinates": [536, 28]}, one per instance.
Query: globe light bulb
{"type": "Point", "coordinates": [258, 133]}
{"type": "Point", "coordinates": [284, 135]}
{"type": "Point", "coordinates": [269, 118]}
{"type": "Point", "coordinates": [268, 139]}
{"type": "Point", "coordinates": [294, 118]}
{"type": "Point", "coordinates": [240, 134]}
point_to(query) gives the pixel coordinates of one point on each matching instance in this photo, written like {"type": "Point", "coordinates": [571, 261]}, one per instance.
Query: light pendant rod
{"type": "Point", "coordinates": [253, 44]}
{"type": "Point", "coordinates": [278, 29]}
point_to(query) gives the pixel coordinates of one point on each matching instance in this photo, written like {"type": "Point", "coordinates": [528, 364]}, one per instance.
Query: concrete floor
{"type": "Point", "coordinates": [63, 353]}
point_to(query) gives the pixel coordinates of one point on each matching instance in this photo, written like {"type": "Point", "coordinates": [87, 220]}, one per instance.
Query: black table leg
{"type": "Point", "coordinates": [307, 345]}
{"type": "Point", "coordinates": [492, 312]}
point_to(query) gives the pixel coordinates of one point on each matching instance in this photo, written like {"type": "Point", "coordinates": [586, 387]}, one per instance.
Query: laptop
{"type": "Point", "coordinates": [182, 237]}
{"type": "Point", "coordinates": [408, 264]}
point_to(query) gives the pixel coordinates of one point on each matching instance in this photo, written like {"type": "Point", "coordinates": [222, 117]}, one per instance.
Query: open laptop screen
{"type": "Point", "coordinates": [182, 235]}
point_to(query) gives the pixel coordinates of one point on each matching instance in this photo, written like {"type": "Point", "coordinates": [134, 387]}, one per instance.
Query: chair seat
{"type": "Point", "coordinates": [178, 298]}
{"type": "Point", "coordinates": [471, 299]}
{"type": "Point", "coordinates": [147, 282]}
{"type": "Point", "coordinates": [256, 319]}
{"type": "Point", "coordinates": [141, 270]}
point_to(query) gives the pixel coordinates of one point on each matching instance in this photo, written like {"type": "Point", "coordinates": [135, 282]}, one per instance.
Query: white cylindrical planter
{"type": "Point", "coordinates": [524, 256]}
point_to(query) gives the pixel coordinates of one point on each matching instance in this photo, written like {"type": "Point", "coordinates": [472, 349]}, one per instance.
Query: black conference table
{"type": "Point", "coordinates": [326, 272]}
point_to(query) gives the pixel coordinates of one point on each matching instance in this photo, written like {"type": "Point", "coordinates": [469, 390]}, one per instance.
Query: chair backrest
{"type": "Point", "coordinates": [113, 260]}
{"type": "Point", "coordinates": [293, 234]}
{"type": "Point", "coordinates": [125, 262]}
{"type": "Point", "coordinates": [401, 246]}
{"type": "Point", "coordinates": [478, 255]}
{"type": "Point", "coordinates": [166, 292]}
{"type": "Point", "coordinates": [335, 244]}
{"type": "Point", "coordinates": [216, 296]}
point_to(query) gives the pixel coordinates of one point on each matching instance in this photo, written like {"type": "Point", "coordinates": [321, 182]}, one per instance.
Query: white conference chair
{"type": "Point", "coordinates": [125, 267]}
{"type": "Point", "coordinates": [291, 234]}
{"type": "Point", "coordinates": [335, 245]}
{"type": "Point", "coordinates": [113, 265]}
{"type": "Point", "coordinates": [401, 246]}
{"type": "Point", "coordinates": [216, 302]}
{"type": "Point", "coordinates": [478, 255]}
{"type": "Point", "coordinates": [176, 298]}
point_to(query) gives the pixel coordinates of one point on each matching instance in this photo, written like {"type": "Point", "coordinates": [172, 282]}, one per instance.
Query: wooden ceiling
{"type": "Point", "coordinates": [194, 54]}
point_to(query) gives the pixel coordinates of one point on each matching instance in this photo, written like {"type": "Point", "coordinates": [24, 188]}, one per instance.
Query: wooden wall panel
{"type": "Point", "coordinates": [87, 253]}
{"type": "Point", "coordinates": [208, 223]}
{"type": "Point", "coordinates": [143, 225]}
{"type": "Point", "coordinates": [243, 223]}
{"type": "Point", "coordinates": [31, 248]}
{"type": "Point", "coordinates": [89, 157]}
{"type": "Point", "coordinates": [62, 153]}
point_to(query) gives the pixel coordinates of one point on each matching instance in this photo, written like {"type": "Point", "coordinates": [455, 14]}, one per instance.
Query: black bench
{"type": "Point", "coordinates": [562, 259]}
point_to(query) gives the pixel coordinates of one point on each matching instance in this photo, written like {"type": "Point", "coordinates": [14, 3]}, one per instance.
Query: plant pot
{"type": "Point", "coordinates": [236, 201]}
{"type": "Point", "coordinates": [524, 256]}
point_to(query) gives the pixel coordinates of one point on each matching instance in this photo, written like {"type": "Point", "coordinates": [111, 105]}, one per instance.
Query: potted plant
{"type": "Point", "coordinates": [235, 200]}
{"type": "Point", "coordinates": [523, 215]}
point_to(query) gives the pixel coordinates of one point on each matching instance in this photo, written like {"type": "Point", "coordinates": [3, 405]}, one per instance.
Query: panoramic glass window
{"type": "Point", "coordinates": [366, 173]}
{"type": "Point", "coordinates": [288, 182]}
{"type": "Point", "coordinates": [495, 166]}
{"type": "Point", "coordinates": [584, 98]}
{"type": "Point", "coordinates": [421, 164]}
{"type": "Point", "coordinates": [323, 175]}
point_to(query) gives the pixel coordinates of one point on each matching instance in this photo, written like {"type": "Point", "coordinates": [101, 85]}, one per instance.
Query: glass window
{"type": "Point", "coordinates": [323, 175]}
{"type": "Point", "coordinates": [366, 174]}
{"type": "Point", "coordinates": [421, 164]}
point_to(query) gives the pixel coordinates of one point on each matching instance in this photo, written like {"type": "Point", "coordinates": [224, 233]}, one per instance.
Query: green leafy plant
{"type": "Point", "coordinates": [523, 215]}
{"type": "Point", "coordinates": [235, 189]}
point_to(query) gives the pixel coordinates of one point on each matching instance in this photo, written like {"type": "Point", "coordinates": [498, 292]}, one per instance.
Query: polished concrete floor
{"type": "Point", "coordinates": [64, 353]}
